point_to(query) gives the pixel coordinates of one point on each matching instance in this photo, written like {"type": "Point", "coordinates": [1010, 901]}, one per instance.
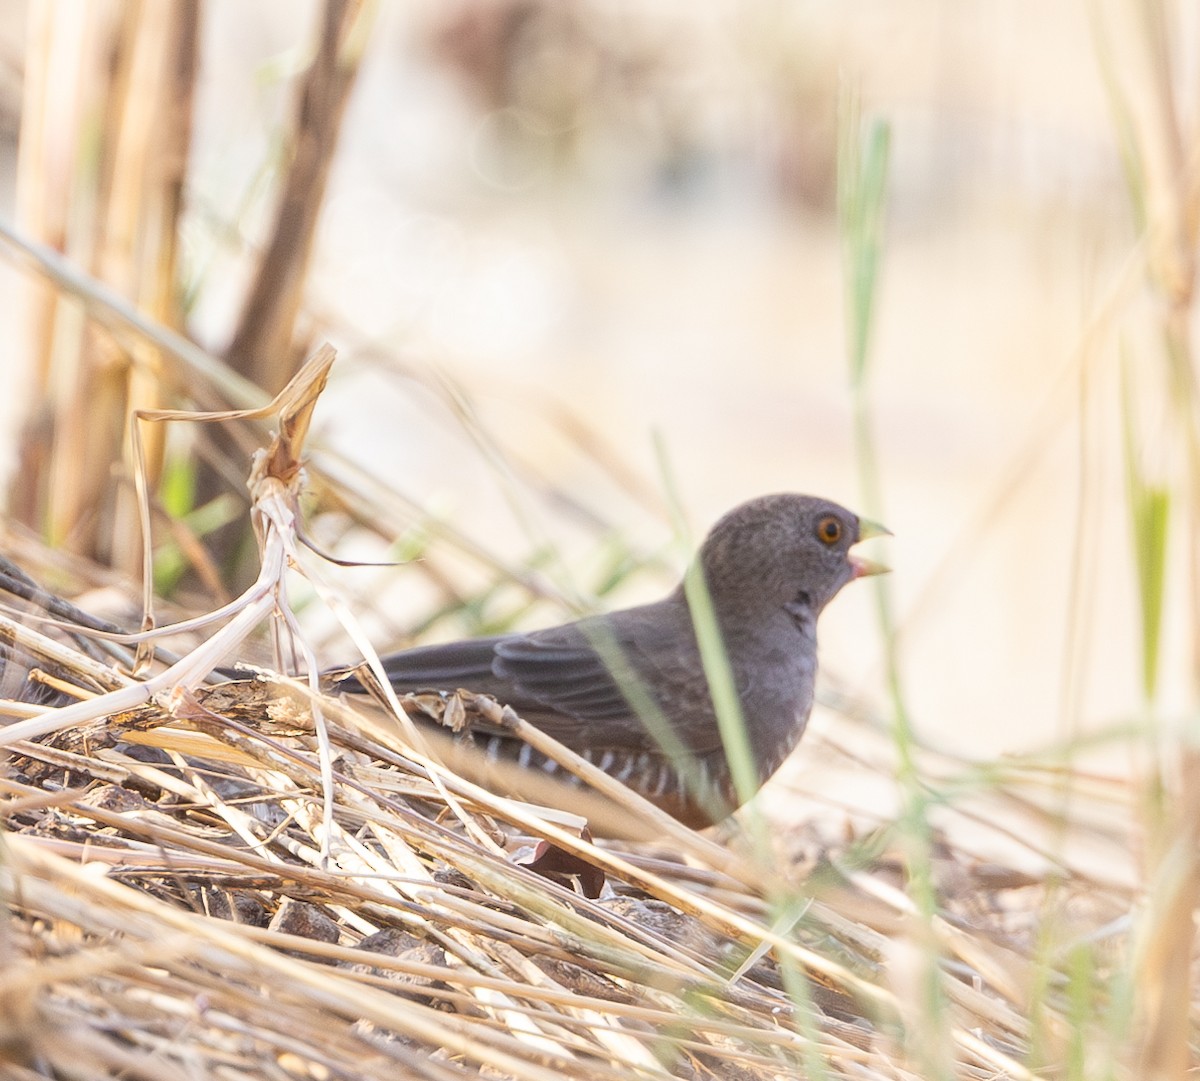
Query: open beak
{"type": "Point", "coordinates": [862, 566]}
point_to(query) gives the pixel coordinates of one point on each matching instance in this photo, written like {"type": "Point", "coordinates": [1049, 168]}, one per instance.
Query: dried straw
{"type": "Point", "coordinates": [256, 879]}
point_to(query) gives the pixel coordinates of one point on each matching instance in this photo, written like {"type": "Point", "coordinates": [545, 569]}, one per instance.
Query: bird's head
{"type": "Point", "coordinates": [789, 551]}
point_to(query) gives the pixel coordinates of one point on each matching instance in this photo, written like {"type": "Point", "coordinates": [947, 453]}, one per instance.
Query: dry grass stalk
{"type": "Point", "coordinates": [263, 346]}
{"type": "Point", "coordinates": [1142, 53]}
{"type": "Point", "coordinates": [156, 825]}
{"type": "Point", "coordinates": [113, 204]}
{"type": "Point", "coordinates": [128, 177]}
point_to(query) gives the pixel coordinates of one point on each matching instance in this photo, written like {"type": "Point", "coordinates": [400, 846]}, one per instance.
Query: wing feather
{"type": "Point", "coordinates": [568, 680]}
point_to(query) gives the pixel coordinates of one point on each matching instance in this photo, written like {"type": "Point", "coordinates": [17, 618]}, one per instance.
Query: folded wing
{"type": "Point", "coordinates": [575, 682]}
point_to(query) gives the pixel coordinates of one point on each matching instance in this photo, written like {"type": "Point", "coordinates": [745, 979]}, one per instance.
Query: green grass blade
{"type": "Point", "coordinates": [862, 191]}
{"type": "Point", "coordinates": [1149, 512]}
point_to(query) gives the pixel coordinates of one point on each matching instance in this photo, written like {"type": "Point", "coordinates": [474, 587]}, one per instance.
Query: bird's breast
{"type": "Point", "coordinates": [778, 698]}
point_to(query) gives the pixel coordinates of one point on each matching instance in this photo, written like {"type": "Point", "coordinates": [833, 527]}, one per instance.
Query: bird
{"type": "Point", "coordinates": [627, 690]}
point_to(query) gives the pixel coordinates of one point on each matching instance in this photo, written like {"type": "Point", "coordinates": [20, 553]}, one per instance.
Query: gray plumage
{"type": "Point", "coordinates": [771, 566]}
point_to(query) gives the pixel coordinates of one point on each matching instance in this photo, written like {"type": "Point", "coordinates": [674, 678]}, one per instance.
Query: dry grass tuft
{"type": "Point", "coordinates": [255, 879]}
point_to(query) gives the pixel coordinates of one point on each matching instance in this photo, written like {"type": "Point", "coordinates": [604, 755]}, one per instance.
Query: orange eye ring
{"type": "Point", "coordinates": [829, 530]}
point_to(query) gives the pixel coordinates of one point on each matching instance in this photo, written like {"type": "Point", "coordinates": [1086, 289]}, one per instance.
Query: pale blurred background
{"type": "Point", "coordinates": [621, 218]}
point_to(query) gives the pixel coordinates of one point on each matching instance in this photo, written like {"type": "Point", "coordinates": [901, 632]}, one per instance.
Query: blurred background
{"type": "Point", "coordinates": [548, 238]}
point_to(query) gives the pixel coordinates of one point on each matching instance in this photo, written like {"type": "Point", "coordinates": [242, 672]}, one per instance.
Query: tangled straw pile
{"type": "Point", "coordinates": [255, 880]}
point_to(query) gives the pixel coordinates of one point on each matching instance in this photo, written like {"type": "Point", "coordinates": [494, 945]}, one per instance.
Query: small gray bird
{"type": "Point", "coordinates": [608, 685]}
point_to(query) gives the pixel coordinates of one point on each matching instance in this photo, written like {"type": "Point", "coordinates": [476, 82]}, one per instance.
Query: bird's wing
{"type": "Point", "coordinates": [561, 670]}
{"type": "Point", "coordinates": [569, 680]}
{"type": "Point", "coordinates": [551, 672]}
{"type": "Point", "coordinates": [582, 682]}
{"type": "Point", "coordinates": [446, 666]}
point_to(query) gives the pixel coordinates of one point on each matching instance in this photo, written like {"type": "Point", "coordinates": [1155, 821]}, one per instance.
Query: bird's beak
{"type": "Point", "coordinates": [863, 567]}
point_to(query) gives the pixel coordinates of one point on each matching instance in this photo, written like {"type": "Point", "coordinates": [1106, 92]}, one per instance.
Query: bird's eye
{"type": "Point", "coordinates": [829, 530]}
